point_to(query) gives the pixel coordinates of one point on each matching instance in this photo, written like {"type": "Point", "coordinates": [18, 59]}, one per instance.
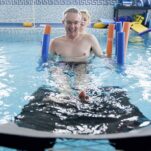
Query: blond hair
{"type": "Point", "coordinates": [85, 12]}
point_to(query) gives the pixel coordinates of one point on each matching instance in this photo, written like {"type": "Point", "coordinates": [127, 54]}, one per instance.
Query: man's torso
{"type": "Point", "coordinates": [79, 47]}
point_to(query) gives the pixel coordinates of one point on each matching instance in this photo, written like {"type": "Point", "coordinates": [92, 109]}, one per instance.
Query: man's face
{"type": "Point", "coordinates": [72, 23]}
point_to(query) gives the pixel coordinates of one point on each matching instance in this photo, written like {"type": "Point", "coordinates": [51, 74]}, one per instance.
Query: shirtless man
{"type": "Point", "coordinates": [74, 46]}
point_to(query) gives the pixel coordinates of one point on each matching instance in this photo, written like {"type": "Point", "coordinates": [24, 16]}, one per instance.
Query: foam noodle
{"type": "Point", "coordinates": [118, 29]}
{"type": "Point", "coordinates": [45, 44]}
{"type": "Point", "coordinates": [110, 40]}
{"type": "Point", "coordinates": [120, 48]}
{"type": "Point", "coordinates": [126, 29]}
{"type": "Point", "coordinates": [47, 29]}
{"type": "Point", "coordinates": [27, 24]}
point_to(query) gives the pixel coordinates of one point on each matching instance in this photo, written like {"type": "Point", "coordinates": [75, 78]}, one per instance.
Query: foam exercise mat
{"type": "Point", "coordinates": [108, 111]}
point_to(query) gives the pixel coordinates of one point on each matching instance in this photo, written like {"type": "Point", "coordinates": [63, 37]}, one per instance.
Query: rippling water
{"type": "Point", "coordinates": [19, 78]}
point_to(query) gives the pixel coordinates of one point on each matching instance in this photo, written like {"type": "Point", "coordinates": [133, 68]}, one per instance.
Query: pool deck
{"type": "Point", "coordinates": [20, 25]}
{"type": "Point", "coordinates": [37, 25]}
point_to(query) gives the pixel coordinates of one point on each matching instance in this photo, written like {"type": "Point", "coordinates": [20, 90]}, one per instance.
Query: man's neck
{"type": "Point", "coordinates": [70, 37]}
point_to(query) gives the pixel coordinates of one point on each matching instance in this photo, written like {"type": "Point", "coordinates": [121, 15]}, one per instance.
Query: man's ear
{"type": "Point", "coordinates": [63, 21]}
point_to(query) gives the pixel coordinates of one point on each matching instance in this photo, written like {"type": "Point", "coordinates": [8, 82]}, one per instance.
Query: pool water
{"type": "Point", "coordinates": [19, 78]}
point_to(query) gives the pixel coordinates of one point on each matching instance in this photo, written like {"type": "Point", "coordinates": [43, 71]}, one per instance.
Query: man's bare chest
{"type": "Point", "coordinates": [73, 48]}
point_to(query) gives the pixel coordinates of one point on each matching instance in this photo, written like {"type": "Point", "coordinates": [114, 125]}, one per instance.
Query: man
{"type": "Point", "coordinates": [74, 46]}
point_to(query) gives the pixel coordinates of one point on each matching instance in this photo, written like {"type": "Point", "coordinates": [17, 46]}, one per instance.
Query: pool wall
{"type": "Point", "coordinates": [51, 10]}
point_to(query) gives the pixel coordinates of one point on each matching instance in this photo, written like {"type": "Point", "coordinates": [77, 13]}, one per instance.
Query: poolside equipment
{"type": "Point", "coordinates": [45, 43]}
{"type": "Point", "coordinates": [110, 40]}
{"type": "Point", "coordinates": [126, 29]}
{"type": "Point", "coordinates": [139, 28]}
{"type": "Point", "coordinates": [137, 25]}
{"type": "Point", "coordinates": [106, 21]}
{"type": "Point", "coordinates": [140, 3]}
{"type": "Point", "coordinates": [27, 24]}
{"type": "Point", "coordinates": [120, 48]}
{"type": "Point", "coordinates": [147, 2]}
{"type": "Point", "coordinates": [99, 25]}
{"type": "Point", "coordinates": [121, 42]}
{"type": "Point", "coordinates": [138, 18]}
{"type": "Point", "coordinates": [125, 18]}
{"type": "Point", "coordinates": [150, 23]}
{"type": "Point", "coordinates": [125, 2]}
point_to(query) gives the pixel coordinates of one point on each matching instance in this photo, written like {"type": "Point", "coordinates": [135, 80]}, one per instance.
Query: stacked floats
{"type": "Point", "coordinates": [45, 44]}
{"type": "Point", "coordinates": [122, 35]}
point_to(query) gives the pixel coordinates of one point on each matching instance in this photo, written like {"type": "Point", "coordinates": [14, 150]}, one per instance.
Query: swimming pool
{"type": "Point", "coordinates": [20, 51]}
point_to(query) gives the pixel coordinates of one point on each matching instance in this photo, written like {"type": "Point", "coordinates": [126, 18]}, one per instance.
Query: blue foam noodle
{"type": "Point", "coordinates": [120, 48]}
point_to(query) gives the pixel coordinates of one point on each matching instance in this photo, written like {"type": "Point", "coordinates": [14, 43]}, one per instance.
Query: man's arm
{"type": "Point", "coordinates": [52, 47]}
{"type": "Point", "coordinates": [95, 46]}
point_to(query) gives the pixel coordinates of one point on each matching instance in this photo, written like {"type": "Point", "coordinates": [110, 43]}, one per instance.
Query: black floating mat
{"type": "Point", "coordinates": [109, 111]}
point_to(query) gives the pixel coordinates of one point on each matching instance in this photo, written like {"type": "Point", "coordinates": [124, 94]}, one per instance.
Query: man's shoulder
{"type": "Point", "coordinates": [58, 39]}
{"type": "Point", "coordinates": [89, 36]}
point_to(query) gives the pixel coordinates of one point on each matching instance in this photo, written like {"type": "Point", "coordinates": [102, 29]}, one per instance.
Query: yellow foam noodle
{"type": "Point", "coordinates": [138, 27]}
{"type": "Point", "coordinates": [99, 25]}
{"type": "Point", "coordinates": [27, 24]}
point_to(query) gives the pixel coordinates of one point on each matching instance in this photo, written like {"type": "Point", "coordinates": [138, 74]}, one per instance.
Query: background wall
{"type": "Point", "coordinates": [51, 10]}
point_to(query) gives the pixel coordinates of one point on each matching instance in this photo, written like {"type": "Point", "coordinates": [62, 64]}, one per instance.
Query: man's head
{"type": "Point", "coordinates": [72, 22]}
